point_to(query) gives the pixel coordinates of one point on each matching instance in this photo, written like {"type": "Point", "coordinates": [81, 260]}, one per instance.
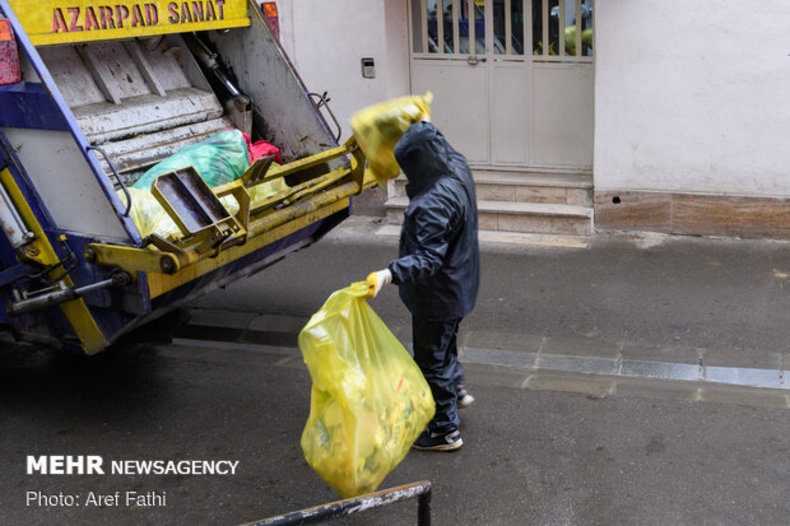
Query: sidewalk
{"type": "Point", "coordinates": [703, 310]}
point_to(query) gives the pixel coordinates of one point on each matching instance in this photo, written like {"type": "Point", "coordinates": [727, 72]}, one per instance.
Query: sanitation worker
{"type": "Point", "coordinates": [437, 271]}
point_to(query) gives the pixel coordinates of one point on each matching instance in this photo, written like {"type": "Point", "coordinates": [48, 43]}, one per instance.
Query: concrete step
{"type": "Point", "coordinates": [526, 208]}
{"type": "Point", "coordinates": [525, 187]}
{"type": "Point", "coordinates": [534, 187]}
{"type": "Point", "coordinates": [508, 216]}
{"type": "Point", "coordinates": [512, 238]}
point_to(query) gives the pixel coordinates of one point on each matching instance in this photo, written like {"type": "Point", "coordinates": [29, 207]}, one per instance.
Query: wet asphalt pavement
{"type": "Point", "coordinates": [531, 456]}
{"type": "Point", "coordinates": [549, 441]}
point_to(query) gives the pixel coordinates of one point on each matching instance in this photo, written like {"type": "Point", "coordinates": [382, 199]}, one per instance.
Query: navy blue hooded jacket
{"type": "Point", "coordinates": [439, 265]}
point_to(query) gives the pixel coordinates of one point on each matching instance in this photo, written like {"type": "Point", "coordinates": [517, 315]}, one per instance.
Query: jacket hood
{"type": "Point", "coordinates": [424, 156]}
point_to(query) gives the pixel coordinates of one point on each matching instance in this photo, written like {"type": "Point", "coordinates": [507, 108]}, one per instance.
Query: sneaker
{"type": "Point", "coordinates": [463, 396]}
{"type": "Point", "coordinates": [428, 441]}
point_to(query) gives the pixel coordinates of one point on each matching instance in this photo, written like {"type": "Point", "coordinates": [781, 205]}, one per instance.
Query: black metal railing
{"type": "Point", "coordinates": [342, 508]}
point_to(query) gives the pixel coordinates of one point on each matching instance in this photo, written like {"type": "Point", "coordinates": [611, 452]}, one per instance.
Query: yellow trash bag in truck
{"type": "Point", "coordinates": [369, 400]}
{"type": "Point", "coordinates": [379, 127]}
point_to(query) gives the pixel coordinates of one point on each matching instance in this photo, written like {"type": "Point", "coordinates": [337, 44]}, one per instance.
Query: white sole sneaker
{"type": "Point", "coordinates": [441, 447]}
{"type": "Point", "coordinates": [439, 442]}
{"type": "Point", "coordinates": [466, 401]}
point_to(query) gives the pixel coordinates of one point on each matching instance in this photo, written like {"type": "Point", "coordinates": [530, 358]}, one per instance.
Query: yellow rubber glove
{"type": "Point", "coordinates": [376, 281]}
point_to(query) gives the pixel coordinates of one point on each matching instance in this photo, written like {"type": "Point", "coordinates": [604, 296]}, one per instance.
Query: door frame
{"type": "Point", "coordinates": [548, 144]}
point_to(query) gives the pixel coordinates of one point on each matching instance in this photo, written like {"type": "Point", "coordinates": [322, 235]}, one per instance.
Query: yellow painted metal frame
{"type": "Point", "coordinates": [132, 259]}
{"type": "Point", "coordinates": [159, 284]}
{"type": "Point", "coordinates": [50, 22]}
{"type": "Point", "coordinates": [41, 251]}
{"type": "Point", "coordinates": [176, 263]}
{"type": "Point", "coordinates": [206, 238]}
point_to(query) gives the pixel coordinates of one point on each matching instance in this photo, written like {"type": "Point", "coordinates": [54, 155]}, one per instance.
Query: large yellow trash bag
{"type": "Point", "coordinates": [369, 400]}
{"type": "Point", "coordinates": [148, 215]}
{"type": "Point", "coordinates": [379, 127]}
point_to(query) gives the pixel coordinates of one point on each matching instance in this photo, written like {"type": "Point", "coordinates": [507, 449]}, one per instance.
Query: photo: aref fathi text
{"type": "Point", "coordinates": [129, 499]}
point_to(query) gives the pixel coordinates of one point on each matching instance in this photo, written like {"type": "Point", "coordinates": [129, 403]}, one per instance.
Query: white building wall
{"type": "Point", "coordinates": [692, 97]}
{"type": "Point", "coordinates": [691, 112]}
{"type": "Point", "coordinates": [326, 41]}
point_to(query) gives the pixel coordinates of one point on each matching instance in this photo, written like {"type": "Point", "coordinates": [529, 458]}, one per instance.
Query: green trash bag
{"type": "Point", "coordinates": [369, 400]}
{"type": "Point", "coordinates": [220, 159]}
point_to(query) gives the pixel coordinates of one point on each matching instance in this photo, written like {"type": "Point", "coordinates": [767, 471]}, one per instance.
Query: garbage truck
{"type": "Point", "coordinates": [93, 95]}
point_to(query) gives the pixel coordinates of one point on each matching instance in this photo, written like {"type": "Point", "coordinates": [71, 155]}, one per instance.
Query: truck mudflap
{"type": "Point", "coordinates": [75, 272]}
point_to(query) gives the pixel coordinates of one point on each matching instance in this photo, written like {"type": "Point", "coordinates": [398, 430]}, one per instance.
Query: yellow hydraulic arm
{"type": "Point", "coordinates": [225, 237]}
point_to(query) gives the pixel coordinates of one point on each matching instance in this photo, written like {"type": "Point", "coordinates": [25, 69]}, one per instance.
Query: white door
{"type": "Point", "coordinates": [502, 97]}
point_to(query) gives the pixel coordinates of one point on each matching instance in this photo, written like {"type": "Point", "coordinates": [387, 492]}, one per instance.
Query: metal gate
{"type": "Point", "coordinates": [513, 79]}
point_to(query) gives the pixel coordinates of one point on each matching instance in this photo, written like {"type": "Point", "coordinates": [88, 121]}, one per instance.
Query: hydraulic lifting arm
{"type": "Point", "coordinates": [208, 230]}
